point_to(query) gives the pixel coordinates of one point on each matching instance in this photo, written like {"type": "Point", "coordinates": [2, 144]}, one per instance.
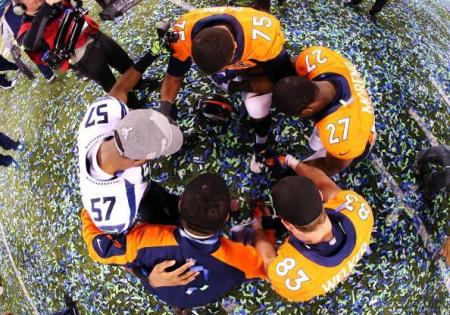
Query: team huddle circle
{"type": "Point", "coordinates": [292, 216]}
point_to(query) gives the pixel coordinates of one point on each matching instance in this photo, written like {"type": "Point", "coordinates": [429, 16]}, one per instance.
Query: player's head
{"type": "Point", "coordinates": [205, 204]}
{"type": "Point", "coordinates": [294, 95]}
{"type": "Point", "coordinates": [213, 49]}
{"type": "Point", "coordinates": [145, 134]}
{"type": "Point", "coordinates": [298, 201]}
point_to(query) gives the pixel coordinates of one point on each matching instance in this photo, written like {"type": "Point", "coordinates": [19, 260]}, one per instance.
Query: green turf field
{"type": "Point", "coordinates": [405, 63]}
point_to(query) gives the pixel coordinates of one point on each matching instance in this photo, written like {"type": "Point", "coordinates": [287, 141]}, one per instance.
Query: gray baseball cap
{"type": "Point", "coordinates": [145, 134]}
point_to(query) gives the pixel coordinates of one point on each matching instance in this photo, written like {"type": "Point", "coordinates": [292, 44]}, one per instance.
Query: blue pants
{"type": "Point", "coordinates": [5, 65]}
{"type": "Point", "coordinates": [8, 144]}
{"type": "Point", "coordinates": [46, 71]}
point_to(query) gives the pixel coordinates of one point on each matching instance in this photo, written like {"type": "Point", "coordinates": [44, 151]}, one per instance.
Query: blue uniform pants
{"type": "Point", "coordinates": [8, 144]}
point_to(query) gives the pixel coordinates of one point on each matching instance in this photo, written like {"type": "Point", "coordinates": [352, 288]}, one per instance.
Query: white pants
{"type": "Point", "coordinates": [316, 144]}
{"type": "Point", "coordinates": [257, 105]}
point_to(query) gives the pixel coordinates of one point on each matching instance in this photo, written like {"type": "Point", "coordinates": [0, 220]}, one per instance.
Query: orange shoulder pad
{"type": "Point", "coordinates": [310, 61]}
{"type": "Point", "coordinates": [231, 253]}
{"type": "Point", "coordinates": [287, 276]}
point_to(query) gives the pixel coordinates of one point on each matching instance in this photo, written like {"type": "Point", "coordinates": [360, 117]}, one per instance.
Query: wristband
{"type": "Point", "coordinates": [142, 64]}
{"type": "Point", "coordinates": [291, 161]}
{"type": "Point", "coordinates": [165, 107]}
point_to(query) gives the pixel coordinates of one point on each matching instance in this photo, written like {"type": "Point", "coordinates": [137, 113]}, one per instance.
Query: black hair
{"type": "Point", "coordinates": [292, 95]}
{"type": "Point", "coordinates": [297, 200]}
{"type": "Point", "coordinates": [212, 49]}
{"type": "Point", "coordinates": [205, 204]}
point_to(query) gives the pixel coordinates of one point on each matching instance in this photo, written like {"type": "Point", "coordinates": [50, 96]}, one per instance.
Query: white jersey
{"type": "Point", "coordinates": [112, 204]}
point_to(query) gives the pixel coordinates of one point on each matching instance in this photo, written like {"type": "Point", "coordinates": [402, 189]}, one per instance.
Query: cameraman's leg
{"type": "Point", "coordinates": [6, 160]}
{"type": "Point", "coordinates": [7, 143]}
{"type": "Point", "coordinates": [379, 4]}
{"type": "Point", "coordinates": [6, 64]}
{"type": "Point", "coordinates": [115, 56]}
{"type": "Point", "coordinates": [94, 66]}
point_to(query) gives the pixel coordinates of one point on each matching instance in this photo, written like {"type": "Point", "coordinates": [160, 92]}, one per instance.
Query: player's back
{"type": "Point", "coordinates": [258, 35]}
{"type": "Point", "coordinates": [346, 127]}
{"type": "Point", "coordinates": [113, 203]}
{"type": "Point", "coordinates": [220, 265]}
{"type": "Point", "coordinates": [219, 261]}
{"type": "Point", "coordinates": [299, 274]}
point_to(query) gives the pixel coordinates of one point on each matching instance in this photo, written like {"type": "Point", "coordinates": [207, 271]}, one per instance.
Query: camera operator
{"type": "Point", "coordinates": [90, 52]}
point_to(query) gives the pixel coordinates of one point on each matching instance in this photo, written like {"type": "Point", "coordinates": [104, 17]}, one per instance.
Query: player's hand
{"type": "Point", "coordinates": [445, 251]}
{"type": "Point", "coordinates": [274, 160]}
{"type": "Point", "coordinates": [52, 2]}
{"type": "Point", "coordinates": [159, 277]}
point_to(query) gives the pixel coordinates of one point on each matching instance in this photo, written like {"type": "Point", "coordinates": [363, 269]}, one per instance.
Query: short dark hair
{"type": "Point", "coordinates": [205, 204]}
{"type": "Point", "coordinates": [212, 49]}
{"type": "Point", "coordinates": [297, 200]}
{"type": "Point", "coordinates": [292, 95]}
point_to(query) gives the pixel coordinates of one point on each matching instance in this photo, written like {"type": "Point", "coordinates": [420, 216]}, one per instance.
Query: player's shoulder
{"type": "Point", "coordinates": [152, 235]}
{"type": "Point", "coordinates": [317, 55]}
{"type": "Point", "coordinates": [351, 204]}
{"type": "Point", "coordinates": [103, 111]}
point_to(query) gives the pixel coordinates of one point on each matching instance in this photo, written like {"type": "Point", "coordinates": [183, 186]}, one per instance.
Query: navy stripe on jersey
{"type": "Point", "coordinates": [131, 200]}
{"type": "Point", "coordinates": [107, 245]}
{"type": "Point", "coordinates": [343, 92]}
{"type": "Point", "coordinates": [344, 252]}
{"type": "Point", "coordinates": [202, 290]}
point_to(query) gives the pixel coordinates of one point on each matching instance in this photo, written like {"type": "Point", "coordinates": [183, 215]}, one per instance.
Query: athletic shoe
{"type": "Point", "coordinates": [373, 18]}
{"type": "Point", "coordinates": [21, 147]}
{"type": "Point", "coordinates": [351, 3]}
{"type": "Point", "coordinates": [52, 78]}
{"type": "Point", "coordinates": [257, 164]}
{"type": "Point", "coordinates": [10, 85]}
{"type": "Point", "coordinates": [15, 164]}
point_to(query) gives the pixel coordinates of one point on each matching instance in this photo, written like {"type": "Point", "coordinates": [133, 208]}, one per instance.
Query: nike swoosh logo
{"type": "Point", "coordinates": [99, 245]}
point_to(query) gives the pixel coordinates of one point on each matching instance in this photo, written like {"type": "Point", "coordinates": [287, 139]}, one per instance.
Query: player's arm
{"type": "Point", "coordinates": [121, 250]}
{"type": "Point", "coordinates": [105, 248]}
{"type": "Point", "coordinates": [327, 187]}
{"type": "Point", "coordinates": [176, 70]}
{"type": "Point", "coordinates": [279, 67]}
{"type": "Point", "coordinates": [329, 164]}
{"type": "Point", "coordinates": [130, 78]}
{"type": "Point", "coordinates": [172, 83]}
{"type": "Point", "coordinates": [159, 277]}
{"type": "Point", "coordinates": [263, 245]}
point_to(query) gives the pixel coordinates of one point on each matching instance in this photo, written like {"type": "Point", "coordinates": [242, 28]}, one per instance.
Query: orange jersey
{"type": "Point", "coordinates": [258, 35]}
{"type": "Point", "coordinates": [219, 260]}
{"type": "Point", "coordinates": [300, 278]}
{"type": "Point", "coordinates": [346, 131]}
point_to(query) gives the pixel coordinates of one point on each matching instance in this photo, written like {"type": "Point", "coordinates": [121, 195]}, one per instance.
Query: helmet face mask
{"type": "Point", "coordinates": [215, 110]}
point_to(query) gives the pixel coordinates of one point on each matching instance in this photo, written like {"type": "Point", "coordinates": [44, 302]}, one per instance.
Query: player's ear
{"type": "Point", "coordinates": [287, 225]}
{"type": "Point", "coordinates": [307, 112]}
{"type": "Point", "coordinates": [139, 162]}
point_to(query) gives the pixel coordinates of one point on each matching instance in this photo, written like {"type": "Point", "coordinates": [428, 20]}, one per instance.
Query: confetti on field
{"type": "Point", "coordinates": [404, 62]}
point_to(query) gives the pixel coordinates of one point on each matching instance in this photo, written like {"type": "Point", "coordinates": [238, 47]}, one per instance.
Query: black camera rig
{"type": "Point", "coordinates": [67, 36]}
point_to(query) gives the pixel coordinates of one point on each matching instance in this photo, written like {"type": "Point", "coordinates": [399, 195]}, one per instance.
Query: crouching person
{"type": "Point", "coordinates": [330, 231]}
{"type": "Point", "coordinates": [211, 264]}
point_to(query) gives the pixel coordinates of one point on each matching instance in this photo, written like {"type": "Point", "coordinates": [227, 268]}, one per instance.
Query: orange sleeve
{"type": "Point", "coordinates": [122, 249]}
{"type": "Point", "coordinates": [105, 248]}
{"type": "Point", "coordinates": [182, 48]}
{"type": "Point", "coordinates": [242, 257]}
